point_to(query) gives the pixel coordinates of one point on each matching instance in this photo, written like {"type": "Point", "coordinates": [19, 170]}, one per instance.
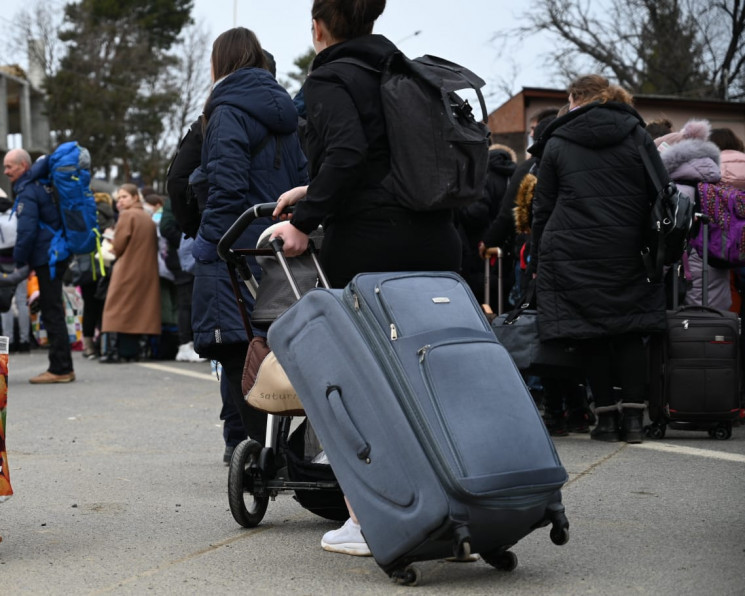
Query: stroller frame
{"type": "Point", "coordinates": [258, 474]}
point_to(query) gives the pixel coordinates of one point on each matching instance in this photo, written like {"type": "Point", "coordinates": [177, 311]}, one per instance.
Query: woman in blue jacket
{"type": "Point", "coordinates": [246, 106]}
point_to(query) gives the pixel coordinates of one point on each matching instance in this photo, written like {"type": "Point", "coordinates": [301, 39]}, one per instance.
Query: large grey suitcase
{"type": "Point", "coordinates": [424, 417]}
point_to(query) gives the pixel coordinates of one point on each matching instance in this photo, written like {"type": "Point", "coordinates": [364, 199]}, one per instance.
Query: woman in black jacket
{"type": "Point", "coordinates": [365, 227]}
{"type": "Point", "coordinates": [589, 211]}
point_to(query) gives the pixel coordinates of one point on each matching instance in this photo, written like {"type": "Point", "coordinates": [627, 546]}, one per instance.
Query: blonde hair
{"type": "Point", "coordinates": [594, 87]}
{"type": "Point", "coordinates": [103, 197]}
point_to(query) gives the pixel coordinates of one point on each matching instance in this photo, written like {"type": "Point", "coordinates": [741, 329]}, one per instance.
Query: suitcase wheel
{"type": "Point", "coordinates": [408, 576]}
{"type": "Point", "coordinates": [655, 431]}
{"type": "Point", "coordinates": [721, 432]}
{"type": "Point", "coordinates": [559, 536]}
{"type": "Point", "coordinates": [504, 560]}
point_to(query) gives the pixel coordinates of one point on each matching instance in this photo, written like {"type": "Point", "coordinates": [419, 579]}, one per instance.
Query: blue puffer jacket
{"type": "Point", "coordinates": [243, 109]}
{"type": "Point", "coordinates": [38, 216]}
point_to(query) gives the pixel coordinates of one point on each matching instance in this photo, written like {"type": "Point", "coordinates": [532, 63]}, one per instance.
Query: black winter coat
{"type": "Point", "coordinates": [589, 210]}
{"type": "Point", "coordinates": [365, 226]}
{"type": "Point", "coordinates": [345, 136]}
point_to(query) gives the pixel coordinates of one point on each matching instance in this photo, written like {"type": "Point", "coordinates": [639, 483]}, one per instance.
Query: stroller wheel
{"type": "Point", "coordinates": [246, 494]}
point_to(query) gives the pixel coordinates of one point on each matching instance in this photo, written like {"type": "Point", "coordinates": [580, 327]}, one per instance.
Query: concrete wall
{"type": "Point", "coordinates": [22, 112]}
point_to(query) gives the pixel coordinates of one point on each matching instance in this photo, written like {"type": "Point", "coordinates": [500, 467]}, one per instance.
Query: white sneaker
{"type": "Point", "coordinates": [347, 540]}
{"type": "Point", "coordinates": [188, 354]}
{"type": "Point", "coordinates": [181, 355]}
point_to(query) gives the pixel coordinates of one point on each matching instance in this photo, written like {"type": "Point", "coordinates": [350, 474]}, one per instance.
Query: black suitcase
{"type": "Point", "coordinates": [696, 368]}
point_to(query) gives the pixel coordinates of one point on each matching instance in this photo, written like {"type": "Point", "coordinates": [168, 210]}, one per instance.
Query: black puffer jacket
{"type": "Point", "coordinates": [345, 136]}
{"type": "Point", "coordinates": [589, 210]}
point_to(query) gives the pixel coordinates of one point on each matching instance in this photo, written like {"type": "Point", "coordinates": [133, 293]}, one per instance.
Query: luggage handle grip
{"type": "Point", "coordinates": [346, 426]}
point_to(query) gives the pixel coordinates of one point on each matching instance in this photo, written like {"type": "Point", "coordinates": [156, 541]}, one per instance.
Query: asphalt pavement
{"type": "Point", "coordinates": [120, 489]}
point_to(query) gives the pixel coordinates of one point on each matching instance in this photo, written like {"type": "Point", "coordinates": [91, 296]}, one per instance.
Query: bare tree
{"type": "Point", "coordinates": [690, 48]}
{"type": "Point", "coordinates": [35, 36]}
{"type": "Point", "coordinates": [192, 76]}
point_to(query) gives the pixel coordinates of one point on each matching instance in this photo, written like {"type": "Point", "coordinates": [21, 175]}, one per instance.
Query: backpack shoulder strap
{"type": "Point", "coordinates": [651, 166]}
{"type": "Point", "coordinates": [356, 62]}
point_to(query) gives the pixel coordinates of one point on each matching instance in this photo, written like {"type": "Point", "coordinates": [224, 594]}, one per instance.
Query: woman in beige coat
{"type": "Point", "coordinates": [132, 305]}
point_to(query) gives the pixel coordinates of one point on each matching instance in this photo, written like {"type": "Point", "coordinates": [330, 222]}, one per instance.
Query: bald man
{"type": "Point", "coordinates": [38, 221]}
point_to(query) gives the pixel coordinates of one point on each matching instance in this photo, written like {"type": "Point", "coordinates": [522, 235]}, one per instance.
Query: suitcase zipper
{"type": "Point", "coordinates": [388, 315]}
{"type": "Point", "coordinates": [422, 352]}
{"type": "Point", "coordinates": [395, 374]}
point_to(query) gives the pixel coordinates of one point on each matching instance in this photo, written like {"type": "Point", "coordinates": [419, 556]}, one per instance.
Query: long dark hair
{"type": "Point", "coordinates": [234, 49]}
{"type": "Point", "coordinates": [346, 19]}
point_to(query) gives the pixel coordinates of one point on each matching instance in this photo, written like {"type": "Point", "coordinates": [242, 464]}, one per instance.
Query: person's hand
{"type": "Point", "coordinates": [287, 199]}
{"type": "Point", "coordinates": [295, 241]}
{"type": "Point", "coordinates": [482, 250]}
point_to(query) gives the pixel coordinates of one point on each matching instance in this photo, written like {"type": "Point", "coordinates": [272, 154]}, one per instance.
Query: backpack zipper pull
{"type": "Point", "coordinates": [394, 332]}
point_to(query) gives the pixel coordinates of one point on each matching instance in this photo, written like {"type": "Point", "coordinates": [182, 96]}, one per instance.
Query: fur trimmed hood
{"type": "Point", "coordinates": [692, 159]}
{"type": "Point", "coordinates": [523, 209]}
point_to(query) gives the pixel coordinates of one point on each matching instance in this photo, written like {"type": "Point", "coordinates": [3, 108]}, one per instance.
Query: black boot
{"type": "Point", "coordinates": [607, 428]}
{"type": "Point", "coordinates": [556, 423]}
{"type": "Point", "coordinates": [632, 429]}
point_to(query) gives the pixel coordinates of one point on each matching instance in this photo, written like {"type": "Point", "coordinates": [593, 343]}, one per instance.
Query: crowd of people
{"type": "Point", "coordinates": [573, 234]}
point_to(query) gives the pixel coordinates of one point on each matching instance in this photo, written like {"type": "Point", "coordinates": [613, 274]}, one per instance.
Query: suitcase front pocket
{"type": "Point", "coordinates": [484, 414]}
{"type": "Point", "coordinates": [697, 387]}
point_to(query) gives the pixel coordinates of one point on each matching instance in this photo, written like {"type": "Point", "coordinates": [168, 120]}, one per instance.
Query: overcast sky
{"type": "Point", "coordinates": [459, 31]}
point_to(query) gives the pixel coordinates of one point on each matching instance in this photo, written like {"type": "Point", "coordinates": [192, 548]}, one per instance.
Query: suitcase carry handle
{"type": "Point", "coordinates": [700, 308]}
{"type": "Point", "coordinates": [346, 426]}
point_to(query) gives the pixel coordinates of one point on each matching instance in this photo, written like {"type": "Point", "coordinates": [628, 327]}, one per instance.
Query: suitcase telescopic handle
{"type": "Point", "coordinates": [277, 244]}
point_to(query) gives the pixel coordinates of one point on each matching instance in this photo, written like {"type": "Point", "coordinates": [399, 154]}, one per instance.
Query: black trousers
{"type": "Point", "coordinates": [53, 318]}
{"type": "Point", "coordinates": [618, 360]}
{"type": "Point", "coordinates": [92, 309]}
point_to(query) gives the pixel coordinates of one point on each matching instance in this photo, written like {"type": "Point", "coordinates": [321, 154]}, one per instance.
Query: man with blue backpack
{"type": "Point", "coordinates": [39, 224]}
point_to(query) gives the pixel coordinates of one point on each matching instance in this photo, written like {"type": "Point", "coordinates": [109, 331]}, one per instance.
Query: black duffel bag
{"type": "Point", "coordinates": [518, 332]}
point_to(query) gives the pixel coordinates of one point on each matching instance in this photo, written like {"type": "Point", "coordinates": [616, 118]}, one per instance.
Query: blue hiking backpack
{"type": "Point", "coordinates": [70, 178]}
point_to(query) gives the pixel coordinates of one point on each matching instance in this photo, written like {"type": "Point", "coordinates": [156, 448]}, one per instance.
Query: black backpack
{"type": "Point", "coordinates": [439, 151]}
{"type": "Point", "coordinates": [670, 219]}
{"type": "Point", "coordinates": [186, 208]}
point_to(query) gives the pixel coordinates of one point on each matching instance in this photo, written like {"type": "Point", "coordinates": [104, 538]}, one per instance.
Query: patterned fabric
{"type": "Point", "coordinates": [5, 489]}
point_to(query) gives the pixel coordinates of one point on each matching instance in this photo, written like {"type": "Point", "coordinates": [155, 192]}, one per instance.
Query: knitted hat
{"type": "Point", "coordinates": [693, 129]}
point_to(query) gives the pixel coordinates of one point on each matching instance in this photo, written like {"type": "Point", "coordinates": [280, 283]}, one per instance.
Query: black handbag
{"type": "Point", "coordinates": [518, 332]}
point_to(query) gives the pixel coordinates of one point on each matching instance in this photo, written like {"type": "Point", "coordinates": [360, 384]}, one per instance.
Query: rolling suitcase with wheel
{"type": "Point", "coordinates": [697, 386]}
{"type": "Point", "coordinates": [424, 417]}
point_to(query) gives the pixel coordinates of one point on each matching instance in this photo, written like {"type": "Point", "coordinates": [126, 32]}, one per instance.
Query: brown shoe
{"type": "Point", "coordinates": [47, 377]}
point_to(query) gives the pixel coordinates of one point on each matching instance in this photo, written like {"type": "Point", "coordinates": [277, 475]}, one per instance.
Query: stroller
{"type": "Point", "coordinates": [292, 459]}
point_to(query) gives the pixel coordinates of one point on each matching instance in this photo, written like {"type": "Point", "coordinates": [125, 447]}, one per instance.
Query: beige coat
{"type": "Point", "coordinates": [133, 299]}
